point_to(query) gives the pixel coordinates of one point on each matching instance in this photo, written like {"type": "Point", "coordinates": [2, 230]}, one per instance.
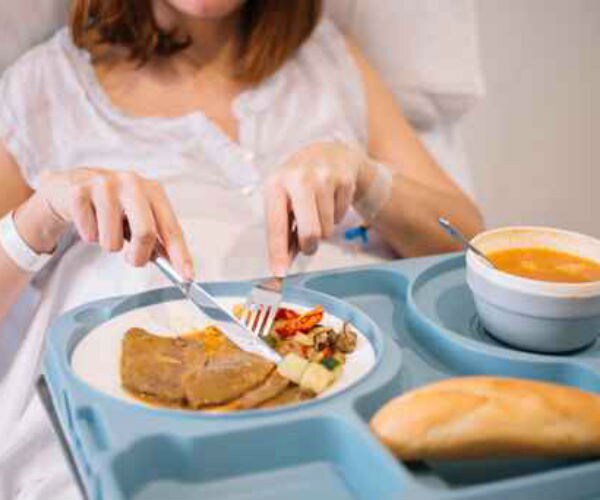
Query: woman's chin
{"type": "Point", "coordinates": [205, 9]}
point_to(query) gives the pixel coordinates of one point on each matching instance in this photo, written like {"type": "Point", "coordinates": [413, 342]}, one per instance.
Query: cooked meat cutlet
{"type": "Point", "coordinates": [193, 371]}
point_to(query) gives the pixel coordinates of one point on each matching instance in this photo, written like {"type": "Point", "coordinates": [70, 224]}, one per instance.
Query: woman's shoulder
{"type": "Point", "coordinates": [41, 56]}
{"type": "Point", "coordinates": [325, 41]}
{"type": "Point", "coordinates": [33, 92]}
{"type": "Point", "coordinates": [327, 62]}
{"type": "Point", "coordinates": [31, 75]}
{"type": "Point", "coordinates": [327, 57]}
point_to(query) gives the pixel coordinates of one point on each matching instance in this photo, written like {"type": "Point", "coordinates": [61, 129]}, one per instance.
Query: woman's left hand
{"type": "Point", "coordinates": [317, 186]}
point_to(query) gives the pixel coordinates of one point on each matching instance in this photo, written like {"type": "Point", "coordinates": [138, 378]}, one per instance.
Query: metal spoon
{"type": "Point", "coordinates": [458, 236]}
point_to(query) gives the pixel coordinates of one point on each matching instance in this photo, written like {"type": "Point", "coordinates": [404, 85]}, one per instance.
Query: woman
{"type": "Point", "coordinates": [203, 122]}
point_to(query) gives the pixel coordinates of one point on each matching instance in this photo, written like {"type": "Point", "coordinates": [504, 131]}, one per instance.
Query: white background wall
{"type": "Point", "coordinates": [534, 142]}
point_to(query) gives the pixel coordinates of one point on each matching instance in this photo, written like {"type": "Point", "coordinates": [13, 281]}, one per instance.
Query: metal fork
{"type": "Point", "coordinates": [263, 300]}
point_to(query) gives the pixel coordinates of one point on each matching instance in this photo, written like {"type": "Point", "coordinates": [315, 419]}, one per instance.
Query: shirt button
{"type": "Point", "coordinates": [249, 190]}
{"type": "Point", "coordinates": [248, 155]}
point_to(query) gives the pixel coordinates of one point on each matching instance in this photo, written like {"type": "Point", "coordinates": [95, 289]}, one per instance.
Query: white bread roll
{"type": "Point", "coordinates": [485, 417]}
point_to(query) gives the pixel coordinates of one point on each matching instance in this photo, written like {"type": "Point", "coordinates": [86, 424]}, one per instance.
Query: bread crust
{"type": "Point", "coordinates": [490, 417]}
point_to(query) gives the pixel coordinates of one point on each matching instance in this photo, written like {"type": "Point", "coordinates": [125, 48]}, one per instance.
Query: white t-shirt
{"type": "Point", "coordinates": [54, 115]}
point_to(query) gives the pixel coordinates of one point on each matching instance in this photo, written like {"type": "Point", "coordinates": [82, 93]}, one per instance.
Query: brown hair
{"type": "Point", "coordinates": [270, 31]}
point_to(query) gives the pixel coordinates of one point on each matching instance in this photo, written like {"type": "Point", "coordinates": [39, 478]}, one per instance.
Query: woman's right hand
{"type": "Point", "coordinates": [96, 202]}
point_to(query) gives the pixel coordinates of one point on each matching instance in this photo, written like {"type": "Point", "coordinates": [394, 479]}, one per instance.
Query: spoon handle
{"type": "Point", "coordinates": [458, 236]}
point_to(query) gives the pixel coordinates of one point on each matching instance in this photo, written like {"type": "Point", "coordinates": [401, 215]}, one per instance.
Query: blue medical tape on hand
{"type": "Point", "coordinates": [361, 232]}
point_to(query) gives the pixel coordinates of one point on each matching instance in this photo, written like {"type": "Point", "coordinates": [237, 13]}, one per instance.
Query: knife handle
{"type": "Point", "coordinates": [160, 260]}
{"type": "Point", "coordinates": [169, 271]}
{"type": "Point", "coordinates": [293, 240]}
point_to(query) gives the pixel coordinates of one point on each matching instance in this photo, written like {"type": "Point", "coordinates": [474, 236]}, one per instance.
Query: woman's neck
{"type": "Point", "coordinates": [214, 41]}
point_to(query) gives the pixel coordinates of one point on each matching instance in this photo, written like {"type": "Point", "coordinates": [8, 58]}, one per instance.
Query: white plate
{"type": "Point", "coordinates": [96, 358]}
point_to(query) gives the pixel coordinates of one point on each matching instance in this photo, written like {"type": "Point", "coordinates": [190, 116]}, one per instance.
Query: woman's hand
{"type": "Point", "coordinates": [317, 186]}
{"type": "Point", "coordinates": [96, 202]}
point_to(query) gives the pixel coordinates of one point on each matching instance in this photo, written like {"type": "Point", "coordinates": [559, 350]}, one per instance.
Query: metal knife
{"type": "Point", "coordinates": [219, 316]}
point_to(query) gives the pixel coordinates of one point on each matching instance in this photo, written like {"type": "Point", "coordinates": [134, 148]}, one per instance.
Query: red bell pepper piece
{"type": "Point", "coordinates": [327, 352]}
{"type": "Point", "coordinates": [302, 323]}
{"type": "Point", "coordinates": [285, 314]}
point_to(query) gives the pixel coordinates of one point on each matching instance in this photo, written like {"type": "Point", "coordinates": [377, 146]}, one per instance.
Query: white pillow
{"type": "Point", "coordinates": [25, 23]}
{"type": "Point", "coordinates": [426, 51]}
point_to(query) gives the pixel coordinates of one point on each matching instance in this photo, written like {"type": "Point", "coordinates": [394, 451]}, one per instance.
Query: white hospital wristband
{"type": "Point", "coordinates": [377, 194]}
{"type": "Point", "coordinates": [17, 249]}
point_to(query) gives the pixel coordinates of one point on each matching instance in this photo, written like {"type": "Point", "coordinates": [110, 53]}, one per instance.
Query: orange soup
{"type": "Point", "coordinates": [546, 265]}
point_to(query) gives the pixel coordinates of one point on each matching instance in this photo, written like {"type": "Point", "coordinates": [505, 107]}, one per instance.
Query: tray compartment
{"type": "Point", "coordinates": [271, 485]}
{"type": "Point", "coordinates": [443, 319]}
{"type": "Point", "coordinates": [320, 457]}
{"type": "Point", "coordinates": [367, 404]}
{"type": "Point", "coordinates": [378, 292]}
{"type": "Point", "coordinates": [441, 337]}
{"type": "Point", "coordinates": [497, 480]}
{"type": "Point", "coordinates": [466, 473]}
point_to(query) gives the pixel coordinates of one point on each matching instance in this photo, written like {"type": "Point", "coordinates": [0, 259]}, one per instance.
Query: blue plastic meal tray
{"type": "Point", "coordinates": [420, 317]}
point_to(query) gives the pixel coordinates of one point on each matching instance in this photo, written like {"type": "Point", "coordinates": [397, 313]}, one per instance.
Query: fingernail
{"type": "Point", "coordinates": [129, 258]}
{"type": "Point", "coordinates": [279, 270]}
{"type": "Point", "coordinates": [91, 236]}
{"type": "Point", "coordinates": [311, 248]}
{"type": "Point", "coordinates": [188, 271]}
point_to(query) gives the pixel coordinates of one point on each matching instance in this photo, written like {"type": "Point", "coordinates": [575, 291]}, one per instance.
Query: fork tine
{"type": "Point", "coordinates": [262, 318]}
{"type": "Point", "coordinates": [245, 319]}
{"type": "Point", "coordinates": [262, 303]}
{"type": "Point", "coordinates": [269, 321]}
{"type": "Point", "coordinates": [254, 315]}
{"type": "Point", "coordinates": [262, 315]}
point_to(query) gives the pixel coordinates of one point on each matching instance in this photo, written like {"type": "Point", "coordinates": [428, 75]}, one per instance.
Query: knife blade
{"type": "Point", "coordinates": [220, 317]}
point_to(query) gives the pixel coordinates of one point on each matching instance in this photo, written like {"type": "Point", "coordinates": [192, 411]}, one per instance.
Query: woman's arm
{"type": "Point", "coordinates": [94, 201]}
{"type": "Point", "coordinates": [13, 192]}
{"type": "Point", "coordinates": [421, 190]}
{"type": "Point", "coordinates": [320, 182]}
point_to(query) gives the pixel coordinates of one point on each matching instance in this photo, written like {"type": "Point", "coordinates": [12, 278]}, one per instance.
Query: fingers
{"type": "Point", "coordinates": [343, 199]}
{"type": "Point", "coordinates": [138, 211]}
{"type": "Point", "coordinates": [319, 182]}
{"type": "Point", "coordinates": [325, 207]}
{"type": "Point", "coordinates": [108, 213]}
{"type": "Point", "coordinates": [97, 200]}
{"type": "Point", "coordinates": [304, 205]}
{"type": "Point", "coordinates": [277, 211]}
{"type": "Point", "coordinates": [169, 231]}
{"type": "Point", "coordinates": [83, 214]}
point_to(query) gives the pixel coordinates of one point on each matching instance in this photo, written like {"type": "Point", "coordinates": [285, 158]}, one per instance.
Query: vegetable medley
{"type": "Point", "coordinates": [314, 354]}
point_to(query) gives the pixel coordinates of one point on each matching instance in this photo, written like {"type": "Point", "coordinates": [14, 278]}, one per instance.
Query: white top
{"type": "Point", "coordinates": [55, 115]}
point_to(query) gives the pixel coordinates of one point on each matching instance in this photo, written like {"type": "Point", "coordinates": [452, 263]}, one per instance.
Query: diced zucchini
{"type": "Point", "coordinates": [316, 378]}
{"type": "Point", "coordinates": [293, 367]}
{"type": "Point", "coordinates": [337, 372]}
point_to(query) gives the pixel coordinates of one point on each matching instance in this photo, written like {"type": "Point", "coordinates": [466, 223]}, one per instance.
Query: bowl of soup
{"type": "Point", "coordinates": [543, 293]}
